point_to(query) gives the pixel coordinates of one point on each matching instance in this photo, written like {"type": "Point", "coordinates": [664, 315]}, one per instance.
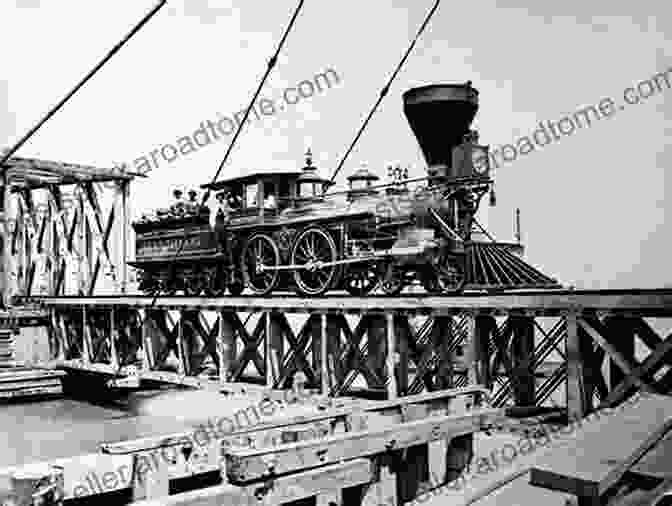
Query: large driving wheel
{"type": "Point", "coordinates": [312, 248]}
{"type": "Point", "coordinates": [260, 251]}
{"type": "Point", "coordinates": [361, 279]}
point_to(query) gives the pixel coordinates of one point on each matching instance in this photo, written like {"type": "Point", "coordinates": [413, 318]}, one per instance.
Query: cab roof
{"type": "Point", "coordinates": [250, 178]}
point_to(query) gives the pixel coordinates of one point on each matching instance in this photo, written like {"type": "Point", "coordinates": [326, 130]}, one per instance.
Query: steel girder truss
{"type": "Point", "coordinates": [67, 239]}
{"type": "Point", "coordinates": [527, 360]}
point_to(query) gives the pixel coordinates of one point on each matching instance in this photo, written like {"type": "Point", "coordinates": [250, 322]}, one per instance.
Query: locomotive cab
{"type": "Point", "coordinates": [260, 195]}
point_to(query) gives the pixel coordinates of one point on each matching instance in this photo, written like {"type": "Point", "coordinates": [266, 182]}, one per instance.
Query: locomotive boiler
{"type": "Point", "coordinates": [288, 233]}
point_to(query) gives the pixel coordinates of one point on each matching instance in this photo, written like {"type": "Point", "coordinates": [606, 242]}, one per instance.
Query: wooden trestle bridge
{"type": "Point", "coordinates": [433, 371]}
{"type": "Point", "coordinates": [526, 346]}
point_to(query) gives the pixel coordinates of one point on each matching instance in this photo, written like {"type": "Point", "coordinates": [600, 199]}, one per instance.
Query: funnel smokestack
{"type": "Point", "coordinates": [440, 116]}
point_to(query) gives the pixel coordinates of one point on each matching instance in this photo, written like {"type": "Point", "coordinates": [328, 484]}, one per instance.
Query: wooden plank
{"type": "Point", "coordinates": [599, 455]}
{"type": "Point", "coordinates": [18, 385]}
{"type": "Point", "coordinates": [652, 362]}
{"type": "Point", "coordinates": [517, 491]}
{"type": "Point", "coordinates": [277, 491]}
{"type": "Point", "coordinates": [244, 465]}
{"type": "Point", "coordinates": [656, 463]}
{"type": "Point", "coordinates": [626, 366]}
{"type": "Point", "coordinates": [25, 392]}
{"type": "Point", "coordinates": [431, 403]}
{"type": "Point", "coordinates": [644, 497]}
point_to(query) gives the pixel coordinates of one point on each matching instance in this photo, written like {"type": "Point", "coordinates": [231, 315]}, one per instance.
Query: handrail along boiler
{"type": "Point", "coordinates": [288, 234]}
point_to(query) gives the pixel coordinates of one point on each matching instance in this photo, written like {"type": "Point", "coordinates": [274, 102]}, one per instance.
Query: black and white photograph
{"type": "Point", "coordinates": [335, 253]}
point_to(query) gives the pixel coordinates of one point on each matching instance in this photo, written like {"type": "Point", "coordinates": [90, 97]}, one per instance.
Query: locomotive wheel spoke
{"type": "Point", "coordinates": [260, 250]}
{"type": "Point", "coordinates": [313, 247]}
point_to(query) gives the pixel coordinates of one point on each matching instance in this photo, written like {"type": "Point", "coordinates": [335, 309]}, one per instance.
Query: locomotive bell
{"type": "Point", "coordinates": [440, 116]}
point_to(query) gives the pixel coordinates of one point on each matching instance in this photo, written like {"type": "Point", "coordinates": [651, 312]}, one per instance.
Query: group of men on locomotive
{"type": "Point", "coordinates": [282, 231]}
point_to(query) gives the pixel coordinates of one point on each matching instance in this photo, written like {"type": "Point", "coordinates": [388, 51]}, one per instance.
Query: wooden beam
{"type": "Point", "coordinates": [655, 302]}
{"type": "Point", "coordinates": [226, 346]}
{"type": "Point", "coordinates": [277, 491]}
{"type": "Point", "coordinates": [391, 357]}
{"type": "Point", "coordinates": [657, 463]}
{"type": "Point", "coordinates": [602, 452]}
{"type": "Point", "coordinates": [575, 396]}
{"type": "Point", "coordinates": [643, 370]}
{"type": "Point", "coordinates": [427, 404]}
{"type": "Point", "coordinates": [644, 497]}
{"type": "Point", "coordinates": [324, 355]}
{"type": "Point", "coordinates": [522, 350]}
{"type": "Point", "coordinates": [245, 465]}
{"type": "Point", "coordinates": [614, 354]}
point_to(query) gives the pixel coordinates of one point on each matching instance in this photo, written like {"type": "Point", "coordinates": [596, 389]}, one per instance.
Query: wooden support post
{"type": "Point", "coordinates": [274, 347]}
{"type": "Point", "coordinates": [337, 370]}
{"type": "Point", "coordinates": [82, 253]}
{"type": "Point", "coordinates": [87, 345]}
{"type": "Point", "coordinates": [523, 353]}
{"type": "Point", "coordinates": [458, 454]}
{"type": "Point", "coordinates": [324, 355]}
{"type": "Point", "coordinates": [59, 331]}
{"type": "Point", "coordinates": [114, 356]}
{"type": "Point", "coordinates": [181, 359]}
{"type": "Point", "coordinates": [148, 335]}
{"type": "Point", "coordinates": [376, 339]}
{"type": "Point", "coordinates": [226, 349]}
{"type": "Point", "coordinates": [478, 356]}
{"type": "Point", "coordinates": [402, 340]}
{"type": "Point", "coordinates": [624, 342]}
{"type": "Point", "coordinates": [391, 357]}
{"type": "Point", "coordinates": [444, 327]}
{"type": "Point", "coordinates": [575, 395]}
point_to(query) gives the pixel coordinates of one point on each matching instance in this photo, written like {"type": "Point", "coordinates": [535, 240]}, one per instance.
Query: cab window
{"type": "Point", "coordinates": [251, 194]}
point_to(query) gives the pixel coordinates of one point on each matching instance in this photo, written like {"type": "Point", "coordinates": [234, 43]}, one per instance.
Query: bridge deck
{"type": "Point", "coordinates": [643, 302]}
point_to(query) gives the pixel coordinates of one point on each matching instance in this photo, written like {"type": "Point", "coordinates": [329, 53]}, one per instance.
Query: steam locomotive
{"type": "Point", "coordinates": [289, 233]}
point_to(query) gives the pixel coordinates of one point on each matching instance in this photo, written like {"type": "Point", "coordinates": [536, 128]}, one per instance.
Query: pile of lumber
{"type": "Point", "coordinates": [29, 381]}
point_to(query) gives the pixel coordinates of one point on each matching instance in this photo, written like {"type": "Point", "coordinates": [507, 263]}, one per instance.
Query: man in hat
{"type": "Point", "coordinates": [178, 207]}
{"type": "Point", "coordinates": [191, 205]}
{"type": "Point", "coordinates": [219, 220]}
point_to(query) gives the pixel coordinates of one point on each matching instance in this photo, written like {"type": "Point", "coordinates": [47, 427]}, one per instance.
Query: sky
{"type": "Point", "coordinates": [592, 204]}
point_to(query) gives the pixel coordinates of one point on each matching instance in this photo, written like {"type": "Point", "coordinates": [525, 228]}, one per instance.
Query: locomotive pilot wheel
{"type": "Point", "coordinates": [312, 248]}
{"type": "Point", "coordinates": [260, 251]}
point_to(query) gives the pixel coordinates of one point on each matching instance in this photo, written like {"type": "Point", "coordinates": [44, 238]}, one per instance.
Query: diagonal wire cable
{"type": "Point", "coordinates": [385, 89]}
{"type": "Point", "coordinates": [8, 154]}
{"type": "Point", "coordinates": [271, 64]}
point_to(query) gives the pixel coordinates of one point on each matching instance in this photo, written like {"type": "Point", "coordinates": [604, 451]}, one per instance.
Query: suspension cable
{"type": "Point", "coordinates": [8, 154]}
{"type": "Point", "coordinates": [385, 90]}
{"type": "Point", "coordinates": [271, 64]}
